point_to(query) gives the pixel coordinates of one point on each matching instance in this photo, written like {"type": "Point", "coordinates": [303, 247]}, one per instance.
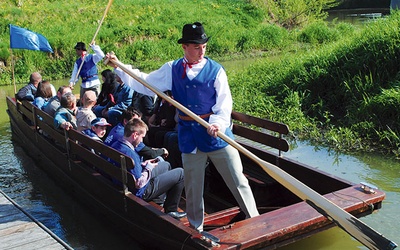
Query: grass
{"type": "Point", "coordinates": [348, 87]}
{"type": "Point", "coordinates": [336, 84]}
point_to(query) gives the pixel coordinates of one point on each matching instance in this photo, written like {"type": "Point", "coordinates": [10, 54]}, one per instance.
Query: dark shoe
{"type": "Point", "coordinates": [177, 215]}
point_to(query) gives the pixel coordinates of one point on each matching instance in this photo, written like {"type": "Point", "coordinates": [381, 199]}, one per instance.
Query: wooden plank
{"type": "Point", "coordinates": [260, 137]}
{"type": "Point", "coordinates": [262, 123]}
{"type": "Point", "coordinates": [20, 231]}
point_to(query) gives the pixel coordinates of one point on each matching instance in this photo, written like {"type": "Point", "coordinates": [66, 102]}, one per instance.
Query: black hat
{"type": "Point", "coordinates": [81, 46]}
{"type": "Point", "coordinates": [193, 33]}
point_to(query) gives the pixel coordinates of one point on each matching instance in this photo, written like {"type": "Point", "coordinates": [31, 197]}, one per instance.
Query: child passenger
{"type": "Point", "coordinates": [84, 114]}
{"type": "Point", "coordinates": [98, 129]}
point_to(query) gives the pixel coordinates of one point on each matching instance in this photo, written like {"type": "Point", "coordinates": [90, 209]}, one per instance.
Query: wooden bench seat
{"type": "Point", "coordinates": [269, 134]}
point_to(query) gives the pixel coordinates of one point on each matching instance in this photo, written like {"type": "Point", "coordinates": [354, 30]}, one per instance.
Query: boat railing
{"type": "Point", "coordinates": [82, 147]}
{"type": "Point", "coordinates": [266, 132]}
{"type": "Point", "coordinates": [263, 137]}
{"type": "Point", "coordinates": [79, 148]}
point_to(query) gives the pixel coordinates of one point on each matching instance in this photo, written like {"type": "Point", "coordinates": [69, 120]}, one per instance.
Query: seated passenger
{"type": "Point", "coordinates": [28, 92]}
{"type": "Point", "coordinates": [117, 133]}
{"type": "Point", "coordinates": [161, 122]}
{"type": "Point", "coordinates": [43, 94]}
{"type": "Point", "coordinates": [65, 115]}
{"type": "Point", "coordinates": [98, 129]}
{"type": "Point", "coordinates": [84, 114]}
{"type": "Point", "coordinates": [123, 99]}
{"type": "Point", "coordinates": [143, 103]}
{"type": "Point", "coordinates": [152, 179]}
{"type": "Point", "coordinates": [105, 100]}
{"type": "Point", "coordinates": [54, 103]}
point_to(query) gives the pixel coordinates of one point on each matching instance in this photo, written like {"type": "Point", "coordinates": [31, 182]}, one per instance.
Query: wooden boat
{"type": "Point", "coordinates": [284, 218]}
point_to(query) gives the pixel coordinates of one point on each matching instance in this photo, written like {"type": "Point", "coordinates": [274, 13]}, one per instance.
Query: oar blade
{"type": "Point", "coordinates": [356, 228]}
{"type": "Point", "coordinates": [373, 237]}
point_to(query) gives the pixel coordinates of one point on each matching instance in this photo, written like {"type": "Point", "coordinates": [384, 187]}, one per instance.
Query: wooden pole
{"type": "Point", "coordinates": [102, 19]}
{"type": "Point", "coordinates": [353, 226]}
{"type": "Point", "coordinates": [13, 72]}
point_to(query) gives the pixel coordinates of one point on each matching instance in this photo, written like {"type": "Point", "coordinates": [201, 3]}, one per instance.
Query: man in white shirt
{"type": "Point", "coordinates": [201, 85]}
{"type": "Point", "coordinates": [88, 70]}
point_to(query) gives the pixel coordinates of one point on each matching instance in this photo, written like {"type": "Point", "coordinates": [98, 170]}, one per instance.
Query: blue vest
{"type": "Point", "coordinates": [89, 70]}
{"type": "Point", "coordinates": [199, 96]}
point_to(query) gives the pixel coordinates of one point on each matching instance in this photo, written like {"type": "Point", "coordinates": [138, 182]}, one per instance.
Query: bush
{"type": "Point", "coordinates": [294, 13]}
{"type": "Point", "coordinates": [318, 33]}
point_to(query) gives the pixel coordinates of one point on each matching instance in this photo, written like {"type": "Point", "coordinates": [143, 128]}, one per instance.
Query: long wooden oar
{"type": "Point", "coordinates": [94, 37]}
{"type": "Point", "coordinates": [353, 226]}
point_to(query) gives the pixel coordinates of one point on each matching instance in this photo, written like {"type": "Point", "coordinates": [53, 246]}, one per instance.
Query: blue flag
{"type": "Point", "coordinates": [21, 38]}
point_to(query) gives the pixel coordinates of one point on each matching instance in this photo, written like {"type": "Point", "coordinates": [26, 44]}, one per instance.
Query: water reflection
{"type": "Point", "coordinates": [357, 16]}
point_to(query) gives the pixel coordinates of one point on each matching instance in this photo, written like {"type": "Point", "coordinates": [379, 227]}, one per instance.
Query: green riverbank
{"type": "Point", "coordinates": [333, 83]}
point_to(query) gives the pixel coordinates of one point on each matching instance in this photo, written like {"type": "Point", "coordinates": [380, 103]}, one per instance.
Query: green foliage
{"type": "Point", "coordinates": [383, 111]}
{"type": "Point", "coordinates": [337, 84]}
{"type": "Point", "coordinates": [317, 33]}
{"type": "Point", "coordinates": [272, 36]}
{"type": "Point", "coordinates": [294, 13]}
{"type": "Point", "coordinates": [141, 32]}
{"type": "Point", "coordinates": [347, 86]}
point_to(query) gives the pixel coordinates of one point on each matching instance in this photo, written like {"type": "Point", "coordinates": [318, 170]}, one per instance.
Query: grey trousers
{"type": "Point", "coordinates": [228, 163]}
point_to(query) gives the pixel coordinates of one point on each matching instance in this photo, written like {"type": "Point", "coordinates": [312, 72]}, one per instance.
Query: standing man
{"type": "Point", "coordinates": [201, 85]}
{"type": "Point", "coordinates": [28, 92]}
{"type": "Point", "coordinates": [88, 72]}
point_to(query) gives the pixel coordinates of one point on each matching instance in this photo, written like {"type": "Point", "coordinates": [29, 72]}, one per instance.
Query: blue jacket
{"type": "Point", "coordinates": [127, 149]}
{"type": "Point", "coordinates": [64, 115]}
{"type": "Point", "coordinates": [40, 102]}
{"type": "Point", "coordinates": [27, 92]}
{"type": "Point", "coordinates": [123, 97]}
{"type": "Point", "coordinates": [89, 132]}
{"type": "Point", "coordinates": [117, 133]}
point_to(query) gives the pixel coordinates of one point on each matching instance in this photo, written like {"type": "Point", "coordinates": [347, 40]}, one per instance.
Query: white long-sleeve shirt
{"type": "Point", "coordinates": [162, 80]}
{"type": "Point", "coordinates": [97, 57]}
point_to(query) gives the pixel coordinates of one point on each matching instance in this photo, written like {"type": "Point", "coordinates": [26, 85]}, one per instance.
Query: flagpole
{"type": "Point", "coordinates": [12, 70]}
